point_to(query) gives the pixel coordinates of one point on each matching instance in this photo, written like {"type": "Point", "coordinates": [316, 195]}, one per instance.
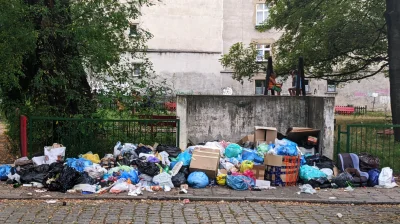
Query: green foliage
{"type": "Point", "coordinates": [339, 40]}
{"type": "Point", "coordinates": [242, 61]}
{"type": "Point", "coordinates": [54, 51]}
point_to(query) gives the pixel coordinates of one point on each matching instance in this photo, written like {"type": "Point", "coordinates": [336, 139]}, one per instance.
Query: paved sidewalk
{"type": "Point", "coordinates": [123, 211]}
{"type": "Point", "coordinates": [217, 193]}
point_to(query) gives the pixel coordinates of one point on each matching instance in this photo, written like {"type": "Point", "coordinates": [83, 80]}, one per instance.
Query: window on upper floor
{"type": "Point", "coordinates": [263, 52]}
{"type": "Point", "coordinates": [133, 29]}
{"type": "Point", "coordinates": [136, 69]}
{"type": "Point", "coordinates": [262, 12]}
{"type": "Point", "coordinates": [331, 86]}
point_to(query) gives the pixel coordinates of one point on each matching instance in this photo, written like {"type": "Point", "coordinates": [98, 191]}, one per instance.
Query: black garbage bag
{"type": "Point", "coordinates": [148, 168]}
{"type": "Point", "coordinates": [368, 162]}
{"type": "Point", "coordinates": [85, 179]}
{"type": "Point", "coordinates": [65, 181]}
{"type": "Point", "coordinates": [185, 170]}
{"type": "Point", "coordinates": [321, 182]}
{"type": "Point", "coordinates": [320, 161]}
{"type": "Point", "coordinates": [34, 174]}
{"type": "Point", "coordinates": [171, 150]}
{"type": "Point", "coordinates": [54, 170]}
{"type": "Point", "coordinates": [143, 149]}
{"type": "Point", "coordinates": [342, 179]}
{"type": "Point", "coordinates": [179, 179]}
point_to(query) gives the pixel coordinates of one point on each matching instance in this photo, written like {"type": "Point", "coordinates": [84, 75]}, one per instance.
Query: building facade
{"type": "Point", "coordinates": [190, 36]}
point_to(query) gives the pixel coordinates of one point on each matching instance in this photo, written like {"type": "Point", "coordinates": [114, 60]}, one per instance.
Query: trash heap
{"type": "Point", "coordinates": [256, 162]}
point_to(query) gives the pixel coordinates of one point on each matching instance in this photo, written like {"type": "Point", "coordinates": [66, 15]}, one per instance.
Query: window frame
{"type": "Point", "coordinates": [264, 10]}
{"type": "Point", "coordinates": [262, 86]}
{"type": "Point", "coordinates": [137, 67]}
{"type": "Point", "coordinates": [263, 49]}
{"type": "Point", "coordinates": [133, 34]}
{"type": "Point", "coordinates": [329, 84]}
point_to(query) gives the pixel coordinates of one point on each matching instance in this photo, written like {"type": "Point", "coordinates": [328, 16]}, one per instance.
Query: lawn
{"type": "Point", "coordinates": [371, 134]}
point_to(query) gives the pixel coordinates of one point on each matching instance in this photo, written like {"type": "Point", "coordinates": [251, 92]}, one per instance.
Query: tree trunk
{"type": "Point", "coordinates": [392, 16]}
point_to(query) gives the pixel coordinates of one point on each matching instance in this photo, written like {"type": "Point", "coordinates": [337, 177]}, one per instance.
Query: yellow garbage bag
{"type": "Point", "coordinates": [221, 179]}
{"type": "Point", "coordinates": [92, 157]}
{"type": "Point", "coordinates": [246, 165]}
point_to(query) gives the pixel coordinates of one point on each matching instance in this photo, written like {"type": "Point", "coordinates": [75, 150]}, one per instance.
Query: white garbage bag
{"type": "Point", "coordinates": [54, 153]}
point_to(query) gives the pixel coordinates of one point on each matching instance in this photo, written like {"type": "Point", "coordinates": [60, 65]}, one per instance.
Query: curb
{"type": "Point", "coordinates": [200, 198]}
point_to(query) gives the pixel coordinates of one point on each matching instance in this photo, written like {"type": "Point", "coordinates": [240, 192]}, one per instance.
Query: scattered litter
{"type": "Point", "coordinates": [339, 215]}
{"type": "Point", "coordinates": [308, 189]}
{"type": "Point", "coordinates": [45, 196]}
{"type": "Point", "coordinates": [135, 192]}
{"type": "Point", "coordinates": [184, 191]}
{"type": "Point", "coordinates": [186, 201]}
{"type": "Point", "coordinates": [29, 193]}
{"type": "Point", "coordinates": [51, 201]}
{"type": "Point", "coordinates": [40, 191]}
{"type": "Point", "coordinates": [332, 198]}
{"type": "Point", "coordinates": [349, 188]}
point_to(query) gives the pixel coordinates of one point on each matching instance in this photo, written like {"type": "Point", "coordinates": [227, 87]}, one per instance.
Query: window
{"type": "Point", "coordinates": [262, 12]}
{"type": "Point", "coordinates": [133, 30]}
{"type": "Point", "coordinates": [136, 70]}
{"type": "Point", "coordinates": [331, 87]}
{"type": "Point", "coordinates": [260, 87]}
{"type": "Point", "coordinates": [307, 85]}
{"type": "Point", "coordinates": [263, 52]}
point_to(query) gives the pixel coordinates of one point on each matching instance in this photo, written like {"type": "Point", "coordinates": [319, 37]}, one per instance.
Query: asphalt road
{"type": "Point", "coordinates": [124, 211]}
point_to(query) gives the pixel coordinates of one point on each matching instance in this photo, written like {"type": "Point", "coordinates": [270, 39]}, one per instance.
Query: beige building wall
{"type": "Point", "coordinates": [190, 37]}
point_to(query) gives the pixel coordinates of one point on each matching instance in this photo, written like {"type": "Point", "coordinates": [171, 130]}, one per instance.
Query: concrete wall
{"type": "Point", "coordinates": [205, 118]}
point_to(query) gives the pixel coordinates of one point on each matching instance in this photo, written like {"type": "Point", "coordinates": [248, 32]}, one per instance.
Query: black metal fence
{"type": "Point", "coordinates": [375, 139]}
{"type": "Point", "coordinates": [98, 136]}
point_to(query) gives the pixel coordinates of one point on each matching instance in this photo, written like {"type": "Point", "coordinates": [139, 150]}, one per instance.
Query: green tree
{"type": "Point", "coordinates": [339, 40]}
{"type": "Point", "coordinates": [51, 48]}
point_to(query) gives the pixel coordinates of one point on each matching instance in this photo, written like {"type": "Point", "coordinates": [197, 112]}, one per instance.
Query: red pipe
{"type": "Point", "coordinates": [24, 135]}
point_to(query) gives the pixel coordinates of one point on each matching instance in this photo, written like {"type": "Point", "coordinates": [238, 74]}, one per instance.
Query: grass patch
{"type": "Point", "coordinates": [368, 134]}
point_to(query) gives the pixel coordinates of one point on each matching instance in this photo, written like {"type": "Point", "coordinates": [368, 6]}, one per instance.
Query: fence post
{"type": "Point", "coordinates": [23, 135]}
{"type": "Point", "coordinates": [348, 139]}
{"type": "Point", "coordinates": [178, 132]}
{"type": "Point", "coordinates": [338, 139]}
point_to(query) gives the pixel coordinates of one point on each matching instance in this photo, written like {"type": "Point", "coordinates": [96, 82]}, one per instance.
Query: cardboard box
{"type": "Point", "coordinates": [289, 170]}
{"type": "Point", "coordinates": [265, 134]}
{"type": "Point", "coordinates": [205, 160]}
{"type": "Point", "coordinates": [247, 138]}
{"type": "Point", "coordinates": [259, 172]}
{"type": "Point", "coordinates": [297, 134]}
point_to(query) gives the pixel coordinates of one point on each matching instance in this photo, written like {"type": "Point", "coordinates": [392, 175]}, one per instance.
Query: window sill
{"type": "Point", "coordinates": [332, 93]}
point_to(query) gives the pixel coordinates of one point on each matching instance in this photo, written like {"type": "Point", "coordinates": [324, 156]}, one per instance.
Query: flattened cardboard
{"type": "Point", "coordinates": [259, 171]}
{"type": "Point", "coordinates": [297, 134]}
{"type": "Point", "coordinates": [247, 138]}
{"type": "Point", "coordinates": [266, 134]}
{"type": "Point", "coordinates": [205, 160]}
{"type": "Point", "coordinates": [273, 160]}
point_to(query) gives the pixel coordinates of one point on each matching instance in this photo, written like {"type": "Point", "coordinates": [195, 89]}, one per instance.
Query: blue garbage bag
{"type": "Point", "coordinates": [185, 157]}
{"type": "Point", "coordinates": [308, 172]}
{"type": "Point", "coordinates": [252, 155]}
{"type": "Point", "coordinates": [373, 178]}
{"type": "Point", "coordinates": [233, 150]}
{"type": "Point", "coordinates": [240, 182]}
{"type": "Point", "coordinates": [79, 164]}
{"type": "Point", "coordinates": [4, 171]}
{"type": "Point", "coordinates": [289, 148]}
{"type": "Point", "coordinates": [303, 161]}
{"type": "Point", "coordinates": [236, 160]}
{"type": "Point", "coordinates": [172, 164]}
{"type": "Point", "coordinates": [132, 175]}
{"type": "Point", "coordinates": [198, 180]}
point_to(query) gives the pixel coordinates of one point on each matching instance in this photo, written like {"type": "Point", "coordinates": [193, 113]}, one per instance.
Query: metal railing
{"type": "Point", "coordinates": [98, 136]}
{"type": "Point", "coordinates": [375, 139]}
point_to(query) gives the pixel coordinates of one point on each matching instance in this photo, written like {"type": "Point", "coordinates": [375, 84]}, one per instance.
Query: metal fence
{"type": "Point", "coordinates": [98, 136]}
{"type": "Point", "coordinates": [375, 139]}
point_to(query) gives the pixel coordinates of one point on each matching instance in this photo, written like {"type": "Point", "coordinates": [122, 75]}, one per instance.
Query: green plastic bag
{"type": "Point", "coordinates": [262, 149]}
{"type": "Point", "coordinates": [233, 150]}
